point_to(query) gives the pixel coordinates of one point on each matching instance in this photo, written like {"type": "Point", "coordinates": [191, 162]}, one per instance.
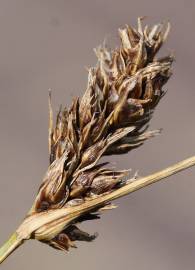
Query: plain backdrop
{"type": "Point", "coordinates": [48, 44]}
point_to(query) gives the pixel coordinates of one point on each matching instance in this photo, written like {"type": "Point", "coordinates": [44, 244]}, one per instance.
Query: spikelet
{"type": "Point", "coordinates": [111, 118]}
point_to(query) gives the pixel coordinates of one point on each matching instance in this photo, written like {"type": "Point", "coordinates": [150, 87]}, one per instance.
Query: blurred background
{"type": "Point", "coordinates": [47, 44]}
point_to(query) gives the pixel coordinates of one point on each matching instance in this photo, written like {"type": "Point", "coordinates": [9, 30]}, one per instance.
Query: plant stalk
{"type": "Point", "coordinates": [135, 185]}
{"type": "Point", "coordinates": [14, 242]}
{"type": "Point", "coordinates": [36, 222]}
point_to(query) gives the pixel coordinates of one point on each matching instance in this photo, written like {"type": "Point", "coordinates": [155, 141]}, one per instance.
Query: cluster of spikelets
{"type": "Point", "coordinates": [111, 118]}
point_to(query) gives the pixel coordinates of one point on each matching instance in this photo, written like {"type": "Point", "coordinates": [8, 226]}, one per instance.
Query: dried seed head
{"type": "Point", "coordinates": [111, 118]}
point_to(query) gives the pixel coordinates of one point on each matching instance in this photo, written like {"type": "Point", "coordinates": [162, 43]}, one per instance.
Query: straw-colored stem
{"type": "Point", "coordinates": [152, 178]}
{"type": "Point", "coordinates": [136, 185]}
{"type": "Point", "coordinates": [32, 224]}
{"type": "Point", "coordinates": [14, 242]}
{"type": "Point", "coordinates": [36, 224]}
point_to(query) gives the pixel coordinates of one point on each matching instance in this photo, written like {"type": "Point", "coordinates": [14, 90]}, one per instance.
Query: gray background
{"type": "Point", "coordinates": [47, 44]}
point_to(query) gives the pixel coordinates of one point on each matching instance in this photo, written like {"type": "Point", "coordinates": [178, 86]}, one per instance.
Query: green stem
{"type": "Point", "coordinates": [14, 242]}
{"type": "Point", "coordinates": [45, 225]}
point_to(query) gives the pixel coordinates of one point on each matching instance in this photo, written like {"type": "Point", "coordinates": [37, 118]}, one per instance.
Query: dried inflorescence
{"type": "Point", "coordinates": [111, 118]}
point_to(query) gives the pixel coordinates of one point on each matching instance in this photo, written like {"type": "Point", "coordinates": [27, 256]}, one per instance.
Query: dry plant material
{"type": "Point", "coordinates": [111, 118]}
